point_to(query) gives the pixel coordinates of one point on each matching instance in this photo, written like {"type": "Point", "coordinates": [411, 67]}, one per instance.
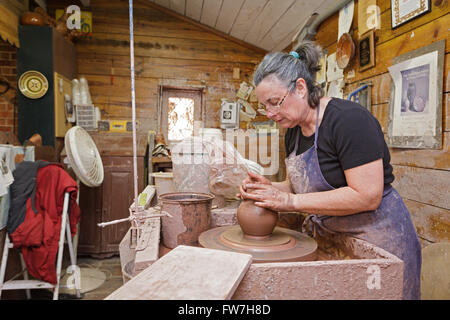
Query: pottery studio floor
{"type": "Point", "coordinates": [108, 269]}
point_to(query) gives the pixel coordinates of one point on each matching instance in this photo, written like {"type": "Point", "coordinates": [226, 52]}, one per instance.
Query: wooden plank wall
{"type": "Point", "coordinates": [168, 51]}
{"type": "Point", "coordinates": [422, 176]}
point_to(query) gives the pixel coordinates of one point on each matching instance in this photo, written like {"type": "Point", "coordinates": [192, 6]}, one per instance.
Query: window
{"type": "Point", "coordinates": [180, 118]}
{"type": "Point", "coordinates": [180, 108]}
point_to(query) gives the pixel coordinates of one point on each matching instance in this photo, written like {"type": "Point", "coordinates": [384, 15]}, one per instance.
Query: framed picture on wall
{"type": "Point", "coordinates": [415, 106]}
{"type": "Point", "coordinates": [366, 51]}
{"type": "Point", "coordinates": [405, 10]}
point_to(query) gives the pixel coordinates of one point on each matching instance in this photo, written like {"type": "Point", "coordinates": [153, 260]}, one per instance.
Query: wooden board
{"type": "Point", "coordinates": [289, 23]}
{"type": "Point", "coordinates": [188, 273]}
{"type": "Point", "coordinates": [381, 112]}
{"type": "Point", "coordinates": [226, 18]}
{"type": "Point", "coordinates": [423, 185]}
{"type": "Point", "coordinates": [161, 47]}
{"type": "Point", "coordinates": [148, 22]}
{"type": "Point", "coordinates": [246, 17]}
{"type": "Point", "coordinates": [272, 11]}
{"type": "Point", "coordinates": [432, 223]}
{"type": "Point", "coordinates": [210, 12]}
{"type": "Point", "coordinates": [194, 9]}
{"type": "Point", "coordinates": [149, 67]}
{"type": "Point", "coordinates": [424, 158]}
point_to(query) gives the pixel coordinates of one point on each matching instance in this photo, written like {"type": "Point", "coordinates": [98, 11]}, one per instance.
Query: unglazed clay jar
{"type": "Point", "coordinates": [256, 222]}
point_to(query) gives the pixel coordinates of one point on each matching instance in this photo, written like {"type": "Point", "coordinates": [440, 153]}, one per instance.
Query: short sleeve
{"type": "Point", "coordinates": [358, 138]}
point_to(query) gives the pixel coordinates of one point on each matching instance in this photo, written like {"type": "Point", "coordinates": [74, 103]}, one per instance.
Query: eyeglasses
{"type": "Point", "coordinates": [277, 107]}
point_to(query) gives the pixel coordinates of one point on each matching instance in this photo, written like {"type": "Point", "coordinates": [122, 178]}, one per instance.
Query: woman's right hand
{"type": "Point", "coordinates": [252, 178]}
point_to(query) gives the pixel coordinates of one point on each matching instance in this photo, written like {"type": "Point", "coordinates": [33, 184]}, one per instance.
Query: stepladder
{"type": "Point", "coordinates": [27, 283]}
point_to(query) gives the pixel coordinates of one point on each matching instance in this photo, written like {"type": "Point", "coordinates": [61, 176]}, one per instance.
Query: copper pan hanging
{"type": "Point", "coordinates": [345, 50]}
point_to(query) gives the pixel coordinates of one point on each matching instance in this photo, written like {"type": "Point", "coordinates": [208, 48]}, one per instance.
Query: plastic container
{"type": "Point", "coordinates": [163, 183]}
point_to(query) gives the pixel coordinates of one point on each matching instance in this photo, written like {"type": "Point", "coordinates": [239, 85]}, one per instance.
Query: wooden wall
{"type": "Point", "coordinates": [168, 51]}
{"type": "Point", "coordinates": [8, 101]}
{"type": "Point", "coordinates": [421, 176]}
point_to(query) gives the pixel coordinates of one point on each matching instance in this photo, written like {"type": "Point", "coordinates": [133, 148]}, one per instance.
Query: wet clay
{"type": "Point", "coordinates": [257, 223]}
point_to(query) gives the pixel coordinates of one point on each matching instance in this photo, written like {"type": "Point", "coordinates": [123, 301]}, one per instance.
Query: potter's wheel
{"type": "Point", "coordinates": [283, 245]}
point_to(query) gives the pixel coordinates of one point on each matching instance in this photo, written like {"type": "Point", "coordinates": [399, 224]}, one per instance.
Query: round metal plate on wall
{"type": "Point", "coordinates": [33, 84]}
{"type": "Point", "coordinates": [345, 50]}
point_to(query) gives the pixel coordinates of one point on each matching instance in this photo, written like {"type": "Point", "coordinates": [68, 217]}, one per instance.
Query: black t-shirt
{"type": "Point", "coordinates": [349, 136]}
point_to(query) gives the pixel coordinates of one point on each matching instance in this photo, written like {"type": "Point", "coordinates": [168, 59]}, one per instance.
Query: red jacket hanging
{"type": "Point", "coordinates": [38, 234]}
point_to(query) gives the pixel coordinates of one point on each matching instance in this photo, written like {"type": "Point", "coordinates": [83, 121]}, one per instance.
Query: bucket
{"type": "Point", "coordinates": [191, 215]}
{"type": "Point", "coordinates": [163, 183]}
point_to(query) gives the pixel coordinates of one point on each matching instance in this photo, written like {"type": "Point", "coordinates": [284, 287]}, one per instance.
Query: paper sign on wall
{"type": "Point", "coordinates": [333, 71]}
{"type": "Point", "coordinates": [345, 18]}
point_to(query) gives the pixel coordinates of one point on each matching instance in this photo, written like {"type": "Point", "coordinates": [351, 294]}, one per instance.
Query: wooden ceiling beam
{"type": "Point", "coordinates": [202, 26]}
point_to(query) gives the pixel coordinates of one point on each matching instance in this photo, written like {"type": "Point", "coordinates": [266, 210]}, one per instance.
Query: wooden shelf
{"type": "Point", "coordinates": [161, 160]}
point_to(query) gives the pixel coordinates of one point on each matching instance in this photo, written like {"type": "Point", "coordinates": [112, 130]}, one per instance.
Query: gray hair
{"type": "Point", "coordinates": [287, 69]}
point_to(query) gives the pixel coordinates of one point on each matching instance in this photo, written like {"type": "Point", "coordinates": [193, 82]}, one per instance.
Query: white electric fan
{"type": "Point", "coordinates": [84, 158]}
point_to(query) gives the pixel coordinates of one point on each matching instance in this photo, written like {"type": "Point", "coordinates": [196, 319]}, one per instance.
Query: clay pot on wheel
{"type": "Point", "coordinates": [256, 222]}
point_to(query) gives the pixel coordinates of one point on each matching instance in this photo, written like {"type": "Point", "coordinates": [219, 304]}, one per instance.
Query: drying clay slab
{"type": "Point", "coordinates": [188, 273]}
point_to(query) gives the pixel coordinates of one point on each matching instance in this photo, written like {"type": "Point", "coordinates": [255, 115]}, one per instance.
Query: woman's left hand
{"type": "Point", "coordinates": [267, 196]}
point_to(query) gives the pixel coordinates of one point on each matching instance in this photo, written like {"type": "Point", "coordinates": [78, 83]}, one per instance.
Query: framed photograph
{"type": "Point", "coordinates": [405, 10]}
{"type": "Point", "coordinates": [366, 51]}
{"type": "Point", "coordinates": [415, 107]}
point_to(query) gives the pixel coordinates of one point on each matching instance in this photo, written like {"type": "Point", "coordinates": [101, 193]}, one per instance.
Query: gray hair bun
{"type": "Point", "coordinates": [287, 68]}
{"type": "Point", "coordinates": [310, 54]}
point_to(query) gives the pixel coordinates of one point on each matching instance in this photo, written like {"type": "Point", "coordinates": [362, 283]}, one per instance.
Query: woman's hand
{"type": "Point", "coordinates": [267, 196]}
{"type": "Point", "coordinates": [252, 178]}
